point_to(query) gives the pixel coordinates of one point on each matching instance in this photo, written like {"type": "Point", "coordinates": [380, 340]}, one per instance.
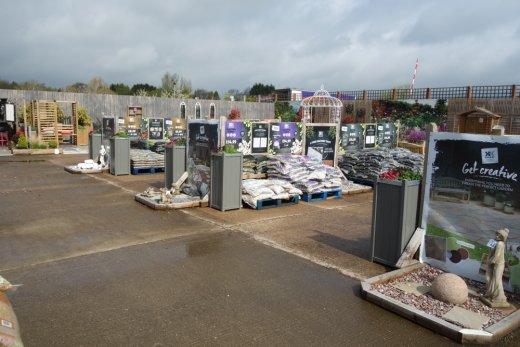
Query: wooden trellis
{"type": "Point", "coordinates": [45, 119]}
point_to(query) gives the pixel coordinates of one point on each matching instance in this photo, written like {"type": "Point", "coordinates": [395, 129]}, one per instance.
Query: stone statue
{"type": "Point", "coordinates": [102, 153]}
{"type": "Point", "coordinates": [166, 196]}
{"type": "Point", "coordinates": [494, 296]}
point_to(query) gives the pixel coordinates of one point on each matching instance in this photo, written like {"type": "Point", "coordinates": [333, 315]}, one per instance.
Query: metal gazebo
{"type": "Point", "coordinates": [321, 108]}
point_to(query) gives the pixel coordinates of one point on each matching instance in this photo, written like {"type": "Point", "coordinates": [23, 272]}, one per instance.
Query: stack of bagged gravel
{"type": "Point", "coordinates": [254, 164]}
{"type": "Point", "coordinates": [254, 190]}
{"type": "Point", "coordinates": [368, 164]}
{"type": "Point", "coordinates": [308, 174]}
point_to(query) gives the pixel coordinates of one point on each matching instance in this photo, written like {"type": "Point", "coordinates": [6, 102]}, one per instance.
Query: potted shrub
{"type": "Point", "coordinates": [226, 179]}
{"type": "Point", "coordinates": [174, 161]}
{"type": "Point", "coordinates": [394, 214]}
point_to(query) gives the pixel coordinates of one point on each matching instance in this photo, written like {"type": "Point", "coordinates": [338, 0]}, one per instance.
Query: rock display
{"type": "Point", "coordinates": [368, 164]}
{"type": "Point", "coordinates": [143, 158]}
{"type": "Point", "coordinates": [450, 288]}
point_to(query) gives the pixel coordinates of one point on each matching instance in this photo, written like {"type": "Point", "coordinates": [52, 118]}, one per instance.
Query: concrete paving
{"type": "Point", "coordinates": [100, 269]}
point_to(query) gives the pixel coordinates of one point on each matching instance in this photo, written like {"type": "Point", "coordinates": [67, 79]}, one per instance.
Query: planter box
{"type": "Point", "coordinates": [394, 218]}
{"type": "Point", "coordinates": [174, 164]}
{"type": "Point", "coordinates": [94, 145]}
{"type": "Point", "coordinates": [119, 156]}
{"type": "Point", "coordinates": [226, 181]}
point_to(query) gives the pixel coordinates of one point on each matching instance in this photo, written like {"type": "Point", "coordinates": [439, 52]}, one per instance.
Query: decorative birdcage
{"type": "Point", "coordinates": [321, 108]}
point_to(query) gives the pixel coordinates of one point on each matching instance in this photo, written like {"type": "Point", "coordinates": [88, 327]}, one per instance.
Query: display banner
{"type": "Point", "coordinates": [259, 137]}
{"type": "Point", "coordinates": [203, 138]}
{"type": "Point", "coordinates": [120, 124]}
{"type": "Point", "coordinates": [285, 138]}
{"type": "Point", "coordinates": [236, 134]}
{"type": "Point", "coordinates": [387, 135]}
{"type": "Point", "coordinates": [351, 136]}
{"type": "Point", "coordinates": [168, 128]}
{"type": "Point", "coordinates": [472, 189]}
{"type": "Point", "coordinates": [320, 142]}
{"type": "Point", "coordinates": [370, 136]}
{"type": "Point", "coordinates": [155, 128]}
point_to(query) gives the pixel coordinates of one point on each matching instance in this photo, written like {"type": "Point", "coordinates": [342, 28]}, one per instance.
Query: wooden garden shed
{"type": "Point", "coordinates": [477, 121]}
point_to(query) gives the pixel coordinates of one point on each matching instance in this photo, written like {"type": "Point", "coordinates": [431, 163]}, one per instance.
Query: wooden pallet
{"type": "Point", "coordinates": [320, 196]}
{"type": "Point", "coordinates": [270, 203]}
{"type": "Point", "coordinates": [146, 170]}
{"type": "Point", "coordinates": [253, 176]}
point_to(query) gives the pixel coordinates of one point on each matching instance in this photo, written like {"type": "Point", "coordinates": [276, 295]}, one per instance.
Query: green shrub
{"type": "Point", "coordinates": [83, 117]}
{"type": "Point", "coordinates": [122, 135]}
{"type": "Point", "coordinates": [53, 144]}
{"type": "Point", "coordinates": [22, 142]}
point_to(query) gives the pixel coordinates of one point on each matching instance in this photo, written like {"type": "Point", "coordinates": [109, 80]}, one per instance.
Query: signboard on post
{"type": "Point", "coordinates": [351, 136]}
{"type": "Point", "coordinates": [387, 135]}
{"type": "Point", "coordinates": [370, 136]}
{"type": "Point", "coordinates": [107, 127]}
{"type": "Point", "coordinates": [472, 189]}
{"type": "Point", "coordinates": [155, 128]}
{"type": "Point", "coordinates": [285, 138]}
{"type": "Point", "coordinates": [321, 142]}
{"type": "Point", "coordinates": [236, 134]}
{"type": "Point", "coordinates": [259, 137]}
{"type": "Point", "coordinates": [203, 138]}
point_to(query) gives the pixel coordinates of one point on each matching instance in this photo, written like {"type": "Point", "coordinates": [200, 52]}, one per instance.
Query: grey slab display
{"type": "Point", "coordinates": [174, 164]}
{"type": "Point", "coordinates": [119, 156]}
{"type": "Point", "coordinates": [94, 145]}
{"type": "Point", "coordinates": [226, 181]}
{"type": "Point", "coordinates": [394, 218]}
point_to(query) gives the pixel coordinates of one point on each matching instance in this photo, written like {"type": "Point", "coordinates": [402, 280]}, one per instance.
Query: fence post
{"type": "Point", "coordinates": [428, 93]}
{"type": "Point", "coordinates": [365, 95]}
{"type": "Point", "coordinates": [514, 91]}
{"type": "Point", "coordinates": [468, 93]}
{"type": "Point", "coordinates": [394, 94]}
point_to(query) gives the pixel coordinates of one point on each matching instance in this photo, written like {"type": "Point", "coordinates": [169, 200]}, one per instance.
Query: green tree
{"type": "Point", "coordinates": [142, 86]}
{"type": "Point", "coordinates": [216, 96]}
{"type": "Point", "coordinates": [120, 89]}
{"type": "Point", "coordinates": [261, 89]}
{"type": "Point", "coordinates": [78, 87]}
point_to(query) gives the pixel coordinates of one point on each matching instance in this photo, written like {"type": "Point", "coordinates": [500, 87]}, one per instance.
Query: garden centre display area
{"type": "Point", "coordinates": [227, 164]}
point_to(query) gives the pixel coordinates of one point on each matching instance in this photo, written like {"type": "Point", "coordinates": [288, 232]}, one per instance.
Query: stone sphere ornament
{"type": "Point", "coordinates": [450, 288]}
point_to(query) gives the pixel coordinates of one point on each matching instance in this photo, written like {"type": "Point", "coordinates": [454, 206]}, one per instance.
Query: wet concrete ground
{"type": "Point", "coordinates": [99, 269]}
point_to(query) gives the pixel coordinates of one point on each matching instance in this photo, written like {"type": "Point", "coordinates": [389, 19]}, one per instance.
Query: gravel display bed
{"type": "Point", "coordinates": [428, 304]}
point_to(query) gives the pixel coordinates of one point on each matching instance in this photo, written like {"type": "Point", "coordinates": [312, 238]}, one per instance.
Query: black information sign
{"type": "Point", "coordinates": [370, 135]}
{"type": "Point", "coordinates": [320, 142]}
{"type": "Point", "coordinates": [260, 136]}
{"type": "Point", "coordinates": [155, 128]}
{"type": "Point", "coordinates": [203, 139]}
{"type": "Point", "coordinates": [108, 127]}
{"type": "Point", "coordinates": [351, 137]}
{"type": "Point", "coordinates": [387, 135]}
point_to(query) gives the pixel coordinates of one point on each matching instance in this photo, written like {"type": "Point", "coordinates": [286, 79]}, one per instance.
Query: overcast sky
{"type": "Point", "coordinates": [219, 45]}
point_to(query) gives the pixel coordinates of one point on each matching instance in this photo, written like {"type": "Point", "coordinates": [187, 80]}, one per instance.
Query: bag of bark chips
{"type": "Point", "coordinates": [9, 328]}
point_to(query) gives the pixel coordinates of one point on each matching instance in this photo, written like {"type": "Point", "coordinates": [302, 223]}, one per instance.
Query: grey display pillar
{"type": "Point", "coordinates": [174, 164]}
{"type": "Point", "coordinates": [226, 181]}
{"type": "Point", "coordinates": [394, 218]}
{"type": "Point", "coordinates": [94, 145]}
{"type": "Point", "coordinates": [119, 156]}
